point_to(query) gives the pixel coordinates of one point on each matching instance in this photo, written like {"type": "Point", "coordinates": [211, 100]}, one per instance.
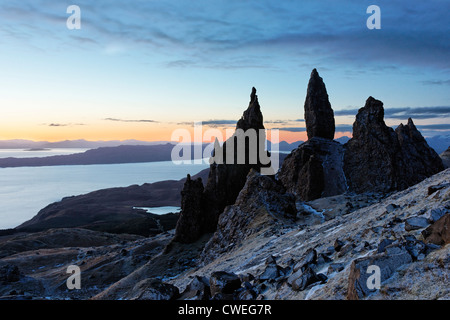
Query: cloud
{"type": "Point", "coordinates": [210, 123]}
{"type": "Point", "coordinates": [132, 120]}
{"type": "Point", "coordinates": [241, 34]}
{"type": "Point", "coordinates": [436, 82]}
{"type": "Point", "coordinates": [339, 128]}
{"type": "Point", "coordinates": [442, 126]}
{"type": "Point", "coordinates": [63, 124]}
{"type": "Point", "coordinates": [405, 112]}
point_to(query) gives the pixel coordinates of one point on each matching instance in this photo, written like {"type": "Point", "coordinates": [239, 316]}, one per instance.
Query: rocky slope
{"type": "Point", "coordinates": [316, 230]}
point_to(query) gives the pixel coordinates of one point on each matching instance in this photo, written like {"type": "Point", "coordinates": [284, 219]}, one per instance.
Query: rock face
{"type": "Point", "coordinates": [445, 156]}
{"type": "Point", "coordinates": [371, 155]}
{"type": "Point", "coordinates": [191, 223]}
{"type": "Point", "coordinates": [226, 178]}
{"type": "Point", "coordinates": [418, 160]}
{"type": "Point", "coordinates": [379, 159]}
{"type": "Point", "coordinates": [314, 170]}
{"type": "Point", "coordinates": [262, 201]}
{"type": "Point", "coordinates": [319, 116]}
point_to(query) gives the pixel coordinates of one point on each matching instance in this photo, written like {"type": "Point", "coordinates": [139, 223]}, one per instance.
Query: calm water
{"type": "Point", "coordinates": [24, 191]}
{"type": "Point", "coordinates": [29, 153]}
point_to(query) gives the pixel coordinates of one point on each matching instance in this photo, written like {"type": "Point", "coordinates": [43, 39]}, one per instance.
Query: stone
{"type": "Point", "coordinates": [391, 207]}
{"type": "Point", "coordinates": [383, 244]}
{"type": "Point", "coordinates": [222, 282]}
{"type": "Point", "coordinates": [438, 233]}
{"type": "Point", "coordinates": [309, 258]}
{"type": "Point", "coordinates": [388, 262]}
{"type": "Point", "coordinates": [338, 244]}
{"type": "Point", "coordinates": [153, 289]}
{"type": "Point", "coordinates": [197, 289]}
{"type": "Point", "coordinates": [335, 267]}
{"type": "Point", "coordinates": [435, 214]}
{"type": "Point", "coordinates": [10, 273]}
{"type": "Point", "coordinates": [319, 116]}
{"type": "Point", "coordinates": [414, 223]}
{"type": "Point", "coordinates": [307, 278]}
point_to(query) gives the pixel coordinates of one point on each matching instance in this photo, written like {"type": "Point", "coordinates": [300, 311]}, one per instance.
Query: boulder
{"type": "Point", "coordinates": [197, 289]}
{"type": "Point", "coordinates": [439, 232]}
{"type": "Point", "coordinates": [10, 273]}
{"type": "Point", "coordinates": [153, 289]}
{"type": "Point", "coordinates": [222, 282]}
{"type": "Point", "coordinates": [302, 280]}
{"type": "Point", "coordinates": [388, 262]}
{"type": "Point", "coordinates": [414, 223]}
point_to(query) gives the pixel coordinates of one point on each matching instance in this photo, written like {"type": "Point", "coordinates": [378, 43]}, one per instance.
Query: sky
{"type": "Point", "coordinates": [142, 69]}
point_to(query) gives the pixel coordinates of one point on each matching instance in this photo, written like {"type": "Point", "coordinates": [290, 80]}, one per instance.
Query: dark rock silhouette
{"type": "Point", "coordinates": [227, 176]}
{"type": "Point", "coordinates": [445, 156]}
{"type": "Point", "coordinates": [418, 160]}
{"type": "Point", "coordinates": [379, 159]}
{"type": "Point", "coordinates": [371, 155]}
{"type": "Point", "coordinates": [314, 170]}
{"type": "Point", "coordinates": [190, 224]}
{"type": "Point", "coordinates": [319, 116]}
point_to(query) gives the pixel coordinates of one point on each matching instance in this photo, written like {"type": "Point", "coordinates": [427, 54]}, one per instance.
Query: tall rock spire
{"type": "Point", "coordinates": [319, 115]}
{"type": "Point", "coordinates": [201, 208]}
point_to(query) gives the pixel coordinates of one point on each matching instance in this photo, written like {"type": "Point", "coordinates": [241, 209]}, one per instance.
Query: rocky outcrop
{"type": "Point", "coordinates": [227, 175]}
{"type": "Point", "coordinates": [191, 223]}
{"type": "Point", "coordinates": [418, 160]}
{"type": "Point", "coordinates": [261, 202]}
{"type": "Point", "coordinates": [379, 159]}
{"type": "Point", "coordinates": [445, 156]}
{"type": "Point", "coordinates": [319, 116]}
{"type": "Point", "coordinates": [314, 170]}
{"type": "Point", "coordinates": [371, 155]}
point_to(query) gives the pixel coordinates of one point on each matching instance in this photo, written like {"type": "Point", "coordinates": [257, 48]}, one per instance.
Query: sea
{"type": "Point", "coordinates": [26, 190]}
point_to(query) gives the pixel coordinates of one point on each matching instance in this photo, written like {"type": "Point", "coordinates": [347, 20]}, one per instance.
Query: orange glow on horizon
{"type": "Point", "coordinates": [136, 131]}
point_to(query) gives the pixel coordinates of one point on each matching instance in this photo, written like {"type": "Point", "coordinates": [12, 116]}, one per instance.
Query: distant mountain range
{"type": "Point", "coordinates": [133, 151]}
{"type": "Point", "coordinates": [85, 144]}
